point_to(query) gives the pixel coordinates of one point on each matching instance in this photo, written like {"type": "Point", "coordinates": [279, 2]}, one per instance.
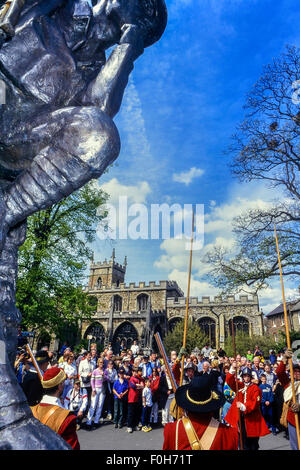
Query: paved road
{"type": "Point", "coordinates": [109, 438]}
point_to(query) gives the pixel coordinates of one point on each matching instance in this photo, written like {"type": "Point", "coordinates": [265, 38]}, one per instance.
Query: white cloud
{"type": "Point", "coordinates": [187, 177]}
{"type": "Point", "coordinates": [197, 288]}
{"type": "Point", "coordinates": [135, 193]}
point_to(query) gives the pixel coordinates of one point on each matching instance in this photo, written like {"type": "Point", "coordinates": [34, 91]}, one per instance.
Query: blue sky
{"type": "Point", "coordinates": [183, 101]}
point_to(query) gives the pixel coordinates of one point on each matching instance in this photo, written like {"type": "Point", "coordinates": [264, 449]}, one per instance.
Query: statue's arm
{"type": "Point", "coordinates": [107, 89]}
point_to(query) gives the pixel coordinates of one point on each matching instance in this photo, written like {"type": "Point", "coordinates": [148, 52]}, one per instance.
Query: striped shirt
{"type": "Point", "coordinates": [98, 378]}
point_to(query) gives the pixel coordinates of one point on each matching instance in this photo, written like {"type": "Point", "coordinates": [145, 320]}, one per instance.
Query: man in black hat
{"type": "Point", "coordinates": [197, 429]}
{"type": "Point", "coordinates": [31, 384]}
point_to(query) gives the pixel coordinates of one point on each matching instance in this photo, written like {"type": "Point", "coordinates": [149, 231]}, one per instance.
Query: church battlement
{"type": "Point", "coordinates": [138, 286]}
{"type": "Point", "coordinates": [107, 264]}
{"type": "Point", "coordinates": [230, 299]}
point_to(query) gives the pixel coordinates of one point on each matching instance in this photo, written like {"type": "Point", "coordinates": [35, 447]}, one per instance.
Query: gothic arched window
{"type": "Point", "coordinates": [117, 303]}
{"type": "Point", "coordinates": [142, 302]}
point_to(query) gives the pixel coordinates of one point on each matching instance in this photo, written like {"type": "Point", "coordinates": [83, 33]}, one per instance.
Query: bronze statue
{"type": "Point", "coordinates": [56, 134]}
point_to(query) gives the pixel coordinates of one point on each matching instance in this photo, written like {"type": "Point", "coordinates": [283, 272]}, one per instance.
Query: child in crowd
{"type": "Point", "coordinates": [135, 387]}
{"type": "Point", "coordinates": [147, 406]}
{"type": "Point", "coordinates": [120, 391]}
{"type": "Point", "coordinates": [267, 403]}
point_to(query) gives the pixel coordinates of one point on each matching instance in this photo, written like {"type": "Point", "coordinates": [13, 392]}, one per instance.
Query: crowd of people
{"type": "Point", "coordinates": [134, 391]}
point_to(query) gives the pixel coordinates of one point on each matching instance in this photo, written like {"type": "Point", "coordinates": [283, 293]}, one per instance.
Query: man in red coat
{"type": "Point", "coordinates": [50, 410]}
{"type": "Point", "coordinates": [294, 408]}
{"type": "Point", "coordinates": [199, 402]}
{"type": "Point", "coordinates": [248, 401]}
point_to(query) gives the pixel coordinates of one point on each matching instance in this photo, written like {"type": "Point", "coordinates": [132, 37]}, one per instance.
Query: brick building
{"type": "Point", "coordinates": [274, 320]}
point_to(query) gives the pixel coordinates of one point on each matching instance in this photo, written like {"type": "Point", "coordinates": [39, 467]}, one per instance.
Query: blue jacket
{"type": "Point", "coordinates": [267, 394]}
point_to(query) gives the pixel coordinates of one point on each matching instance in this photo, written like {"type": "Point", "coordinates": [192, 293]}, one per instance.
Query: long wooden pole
{"type": "Point", "coordinates": [237, 386]}
{"type": "Point", "coordinates": [187, 300]}
{"type": "Point", "coordinates": [35, 364]}
{"type": "Point", "coordinates": [288, 340]}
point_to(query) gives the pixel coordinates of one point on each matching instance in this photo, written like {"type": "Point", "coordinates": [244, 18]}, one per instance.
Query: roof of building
{"type": "Point", "coordinates": [293, 306]}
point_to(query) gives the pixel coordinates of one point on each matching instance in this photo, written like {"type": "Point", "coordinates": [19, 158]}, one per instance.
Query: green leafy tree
{"type": "Point", "coordinates": [195, 338]}
{"type": "Point", "coordinates": [245, 342]}
{"type": "Point", "coordinates": [53, 260]}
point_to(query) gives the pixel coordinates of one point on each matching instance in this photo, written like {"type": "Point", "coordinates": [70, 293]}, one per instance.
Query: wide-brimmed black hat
{"type": "Point", "coordinates": [41, 357]}
{"type": "Point", "coordinates": [198, 396]}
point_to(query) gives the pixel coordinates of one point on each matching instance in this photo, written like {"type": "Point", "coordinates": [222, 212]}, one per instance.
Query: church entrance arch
{"type": "Point", "coordinates": [97, 332]}
{"type": "Point", "coordinates": [125, 334]}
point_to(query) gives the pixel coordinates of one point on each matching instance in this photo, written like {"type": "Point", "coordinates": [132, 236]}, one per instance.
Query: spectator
{"type": "Point", "coordinates": [63, 348]}
{"type": "Point", "coordinates": [81, 356]}
{"type": "Point", "coordinates": [257, 369]}
{"type": "Point", "coordinates": [249, 356]}
{"type": "Point", "coordinates": [112, 376]}
{"type": "Point", "coordinates": [135, 386]}
{"type": "Point", "coordinates": [128, 369]}
{"type": "Point", "coordinates": [85, 370]}
{"type": "Point", "coordinates": [135, 348]}
{"type": "Point", "coordinates": [21, 365]}
{"type": "Point", "coordinates": [257, 352]}
{"type": "Point", "coordinates": [64, 357]}
{"type": "Point", "coordinates": [155, 381]}
{"type": "Point", "coordinates": [270, 376]}
{"type": "Point", "coordinates": [31, 385]}
{"type": "Point", "coordinates": [71, 373]}
{"type": "Point", "coordinates": [266, 403]}
{"type": "Point", "coordinates": [120, 391]}
{"type": "Point", "coordinates": [107, 357]}
{"type": "Point", "coordinates": [77, 400]}
{"type": "Point", "coordinates": [123, 346]}
{"type": "Point", "coordinates": [206, 350]}
{"type": "Point", "coordinates": [21, 339]}
{"type": "Point", "coordinates": [205, 368]}
{"type": "Point", "coordinates": [94, 358]}
{"type": "Point", "coordinates": [154, 362]}
{"type": "Point", "coordinates": [243, 362]}
{"type": "Point", "coordinates": [146, 367]}
{"type": "Point", "coordinates": [221, 352]}
{"type": "Point", "coordinates": [272, 357]}
{"type": "Point", "coordinates": [147, 406]}
{"type": "Point", "coordinates": [98, 379]}
{"type": "Point", "coordinates": [201, 360]}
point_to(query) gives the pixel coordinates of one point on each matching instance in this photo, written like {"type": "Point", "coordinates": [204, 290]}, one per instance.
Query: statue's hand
{"type": "Point", "coordinates": [132, 34]}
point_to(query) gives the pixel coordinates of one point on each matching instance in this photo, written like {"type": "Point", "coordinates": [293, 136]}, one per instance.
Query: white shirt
{"type": "Point", "coordinates": [76, 400]}
{"type": "Point", "coordinates": [148, 396]}
{"type": "Point", "coordinates": [49, 400]}
{"type": "Point", "coordinates": [135, 349]}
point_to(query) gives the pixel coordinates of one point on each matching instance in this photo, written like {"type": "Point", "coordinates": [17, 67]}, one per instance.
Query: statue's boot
{"type": "Point", "coordinates": [78, 152]}
{"type": "Point", "coordinates": [19, 430]}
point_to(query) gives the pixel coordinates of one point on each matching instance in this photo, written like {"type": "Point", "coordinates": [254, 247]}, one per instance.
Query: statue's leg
{"type": "Point", "coordinates": [81, 143]}
{"type": "Point", "coordinates": [18, 428]}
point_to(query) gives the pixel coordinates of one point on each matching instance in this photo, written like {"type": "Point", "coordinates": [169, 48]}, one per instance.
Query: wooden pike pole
{"type": "Point", "coordinates": [187, 301]}
{"type": "Point", "coordinates": [237, 386]}
{"type": "Point", "coordinates": [288, 340]}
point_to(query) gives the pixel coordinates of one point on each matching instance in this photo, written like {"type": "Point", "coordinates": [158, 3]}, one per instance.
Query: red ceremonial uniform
{"type": "Point", "coordinates": [285, 382]}
{"type": "Point", "coordinates": [250, 396]}
{"type": "Point", "coordinates": [226, 438]}
{"type": "Point", "coordinates": [67, 430]}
